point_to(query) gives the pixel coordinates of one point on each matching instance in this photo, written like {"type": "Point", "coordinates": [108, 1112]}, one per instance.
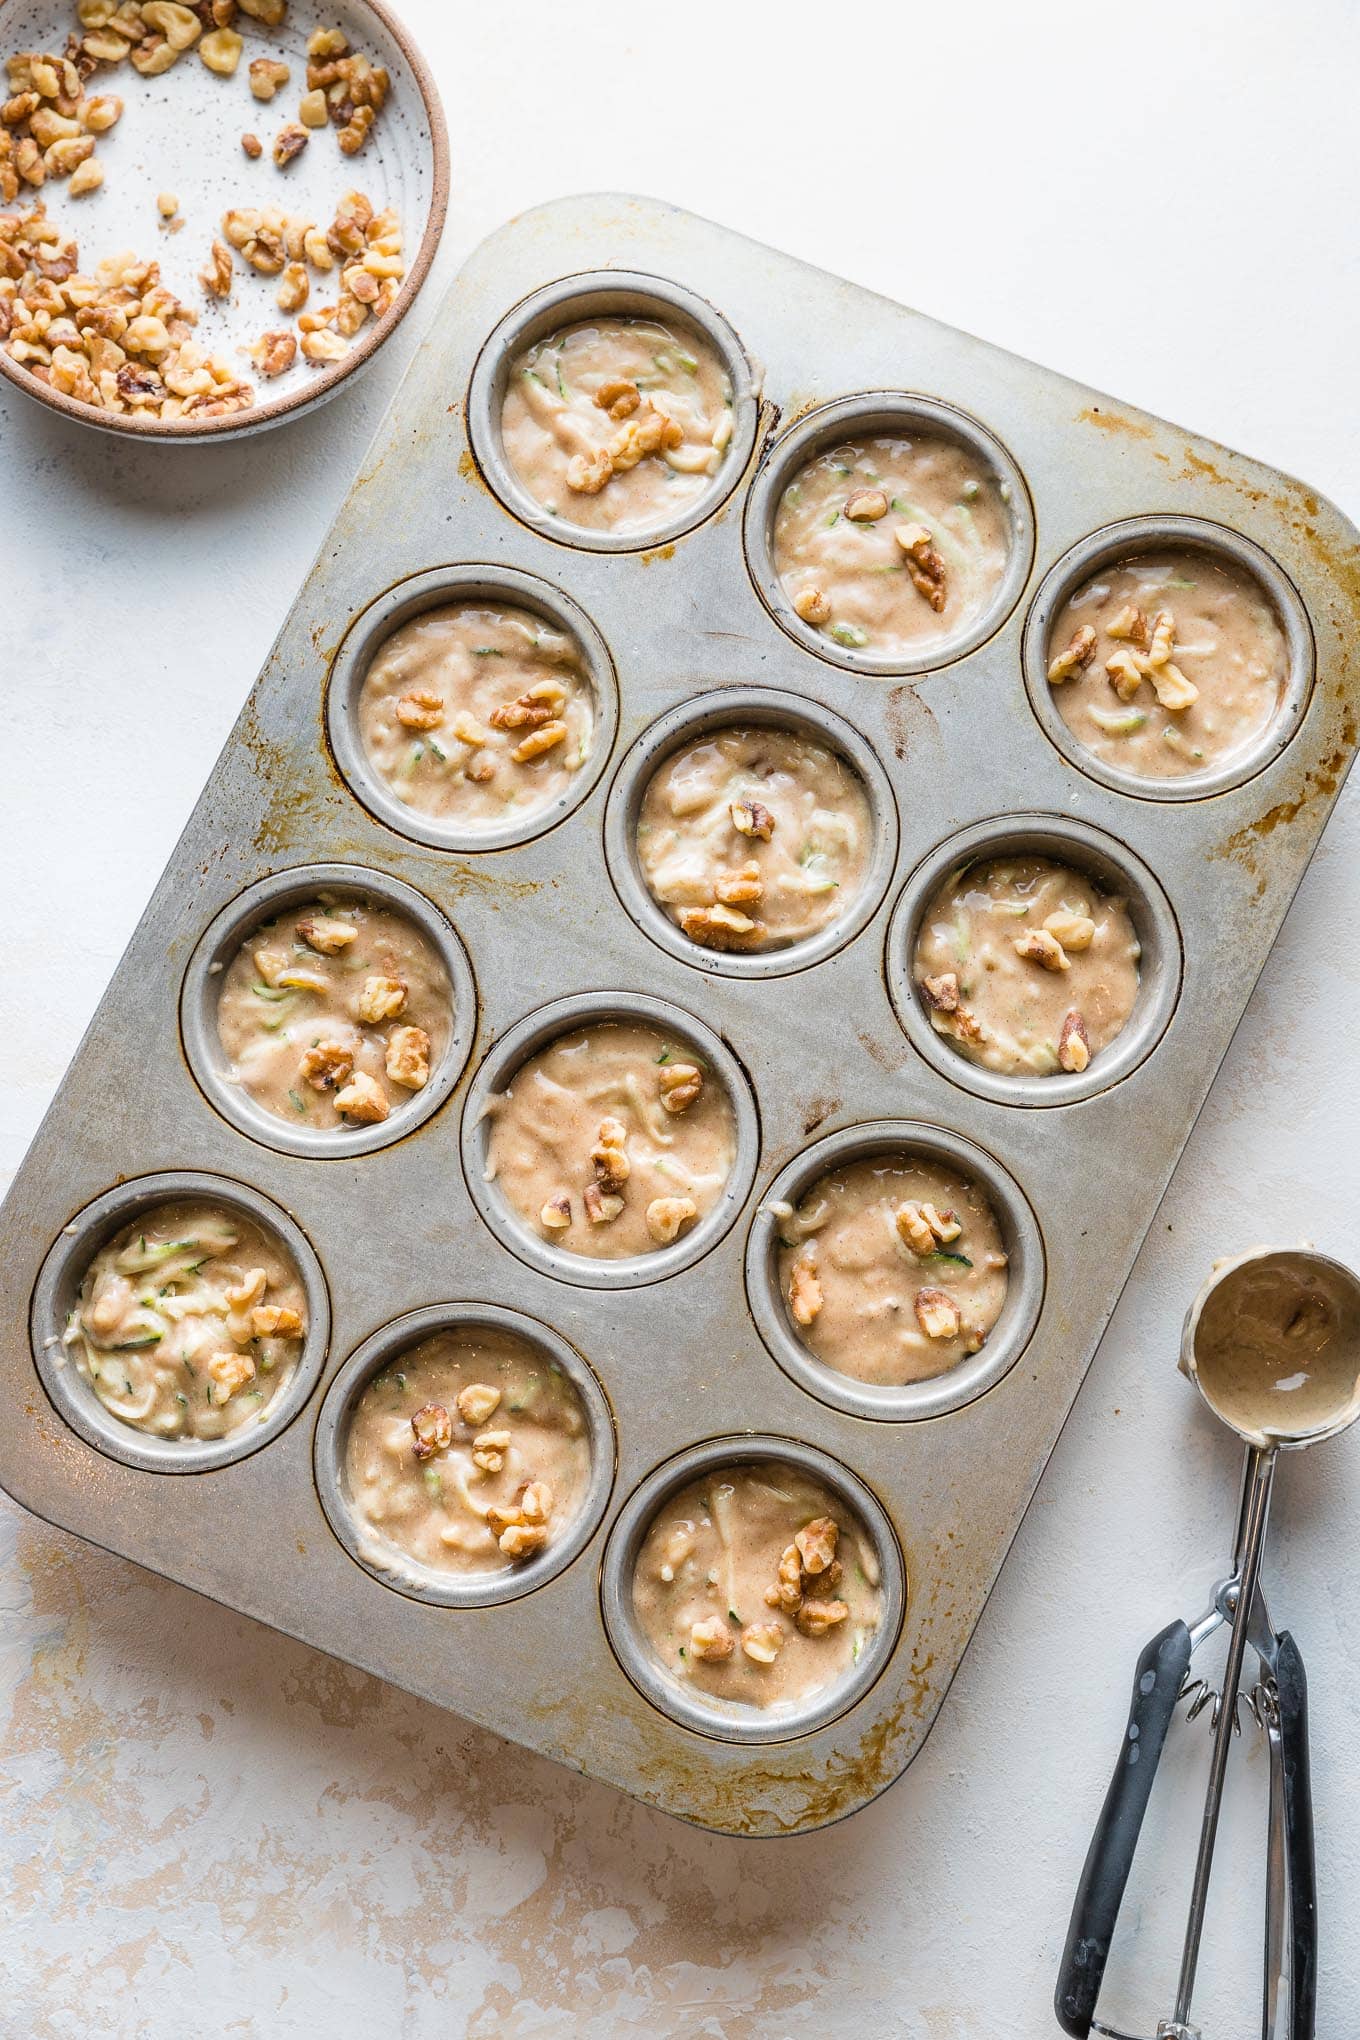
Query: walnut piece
{"type": "Point", "coordinates": [666, 1215]}
{"type": "Point", "coordinates": [477, 1402]}
{"type": "Point", "coordinates": [762, 1642]}
{"type": "Point", "coordinates": [489, 1449]}
{"type": "Point", "coordinates": [227, 1373]}
{"type": "Point", "coordinates": [816, 1543]}
{"type": "Point", "coordinates": [712, 1639]}
{"type": "Point", "coordinates": [740, 888]}
{"type": "Point", "coordinates": [381, 998]}
{"type": "Point", "coordinates": [866, 506]}
{"type": "Point", "coordinates": [815, 1618]}
{"type": "Point", "coordinates": [1075, 931]}
{"type": "Point", "coordinates": [326, 1065]}
{"type": "Point", "coordinates": [1037, 945]}
{"type": "Point", "coordinates": [556, 1213]}
{"type": "Point", "coordinates": [805, 1292]}
{"type": "Point", "coordinates": [750, 818]}
{"type": "Point", "coordinates": [275, 1321]}
{"type": "Point", "coordinates": [602, 1207]}
{"type": "Point", "coordinates": [431, 1430]}
{"type": "Point", "coordinates": [812, 605]}
{"type": "Point", "coordinates": [274, 353]}
{"type": "Point", "coordinates": [1075, 656]}
{"type": "Point", "coordinates": [618, 396]}
{"type": "Point", "coordinates": [289, 143]}
{"type": "Point", "coordinates": [327, 933]}
{"type": "Point", "coordinates": [267, 77]}
{"type": "Point", "coordinates": [720, 927]}
{"type": "Point", "coordinates": [407, 1060]}
{"type": "Point", "coordinates": [363, 1099]}
{"type": "Point", "coordinates": [942, 992]}
{"type": "Point", "coordinates": [924, 564]}
{"type": "Point", "coordinates": [1074, 1044]}
{"type": "Point", "coordinates": [679, 1084]}
{"type": "Point", "coordinates": [937, 1314]}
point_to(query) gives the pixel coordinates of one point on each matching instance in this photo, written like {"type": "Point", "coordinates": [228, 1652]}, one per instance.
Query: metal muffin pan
{"type": "Point", "coordinates": [453, 1590]}
{"type": "Point", "coordinates": [681, 1351]}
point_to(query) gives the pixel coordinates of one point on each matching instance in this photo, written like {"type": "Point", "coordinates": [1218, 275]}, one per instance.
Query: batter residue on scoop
{"type": "Point", "coordinates": [757, 1585]}
{"type": "Point", "coordinates": [1277, 1348]}
{"type": "Point", "coordinates": [613, 1141]}
{"type": "Point", "coordinates": [892, 1268]}
{"type": "Point", "coordinates": [754, 838]}
{"type": "Point", "coordinates": [469, 1453]}
{"type": "Point", "coordinates": [1027, 966]}
{"type": "Point", "coordinates": [189, 1322]}
{"type": "Point", "coordinates": [1169, 662]}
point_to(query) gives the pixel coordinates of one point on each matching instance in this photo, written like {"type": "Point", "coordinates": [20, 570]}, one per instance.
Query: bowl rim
{"type": "Point", "coordinates": [275, 410]}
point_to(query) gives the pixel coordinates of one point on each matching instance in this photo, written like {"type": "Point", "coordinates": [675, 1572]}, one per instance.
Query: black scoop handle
{"type": "Point", "coordinates": [1300, 1863]}
{"type": "Point", "coordinates": [1156, 1688]}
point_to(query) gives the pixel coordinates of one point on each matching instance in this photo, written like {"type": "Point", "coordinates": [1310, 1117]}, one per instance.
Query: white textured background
{"type": "Point", "coordinates": [206, 1830]}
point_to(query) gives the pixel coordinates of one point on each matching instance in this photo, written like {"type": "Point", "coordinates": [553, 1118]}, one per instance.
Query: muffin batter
{"type": "Point", "coordinates": [188, 1322]}
{"type": "Point", "coordinates": [893, 545]}
{"type": "Point", "coordinates": [467, 1454]}
{"type": "Point", "coordinates": [612, 1141]}
{"type": "Point", "coordinates": [1027, 966]}
{"type": "Point", "coordinates": [892, 1269]}
{"type": "Point", "coordinates": [1169, 662]}
{"type": "Point", "coordinates": [335, 1013]}
{"type": "Point", "coordinates": [757, 1585]}
{"type": "Point", "coordinates": [618, 424]}
{"type": "Point", "coordinates": [476, 715]}
{"type": "Point", "coordinates": [754, 838]}
{"type": "Point", "coordinates": [1277, 1348]}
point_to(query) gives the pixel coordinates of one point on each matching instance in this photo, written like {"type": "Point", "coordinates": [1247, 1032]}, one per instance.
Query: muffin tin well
{"type": "Point", "coordinates": [823, 1048]}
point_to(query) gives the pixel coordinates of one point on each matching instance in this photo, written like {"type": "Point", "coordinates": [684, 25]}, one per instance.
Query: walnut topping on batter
{"type": "Point", "coordinates": [942, 992]}
{"type": "Point", "coordinates": [1075, 656]}
{"type": "Point", "coordinates": [407, 1058]}
{"type": "Point", "coordinates": [752, 818]}
{"type": "Point", "coordinates": [720, 927]}
{"type": "Point", "coordinates": [805, 1293]}
{"type": "Point", "coordinates": [711, 1638]}
{"type": "Point", "coordinates": [1039, 945]}
{"type": "Point", "coordinates": [937, 1313]}
{"type": "Point", "coordinates": [666, 1216]}
{"type": "Point", "coordinates": [431, 1430]}
{"type": "Point", "coordinates": [1074, 1045]}
{"type": "Point", "coordinates": [679, 1084]}
{"type": "Point", "coordinates": [362, 1100]}
{"type": "Point", "coordinates": [924, 564]}
{"type": "Point", "coordinates": [326, 933]}
{"type": "Point", "coordinates": [609, 1155]}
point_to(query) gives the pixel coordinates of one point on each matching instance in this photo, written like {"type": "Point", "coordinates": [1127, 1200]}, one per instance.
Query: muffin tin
{"type": "Point", "coordinates": [690, 1349]}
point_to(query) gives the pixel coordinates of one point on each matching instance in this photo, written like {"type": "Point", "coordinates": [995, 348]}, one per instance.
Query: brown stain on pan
{"type": "Point", "coordinates": [1114, 422]}
{"type": "Point", "coordinates": [1320, 782]}
{"type": "Point", "coordinates": [660, 552]}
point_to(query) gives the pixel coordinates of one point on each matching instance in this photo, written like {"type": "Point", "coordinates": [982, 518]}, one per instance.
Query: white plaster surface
{"type": "Point", "coordinates": [207, 1830]}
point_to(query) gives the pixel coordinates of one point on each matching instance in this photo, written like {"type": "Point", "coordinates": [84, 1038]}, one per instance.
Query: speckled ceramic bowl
{"type": "Point", "coordinates": [181, 133]}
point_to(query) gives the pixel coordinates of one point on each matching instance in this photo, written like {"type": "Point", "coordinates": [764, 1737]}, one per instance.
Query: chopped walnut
{"type": "Point", "coordinates": [1162, 643]}
{"type": "Point", "coordinates": [679, 1084]}
{"type": "Point", "coordinates": [556, 1213]}
{"type": "Point", "coordinates": [274, 353]}
{"type": "Point", "coordinates": [289, 143]}
{"type": "Point", "coordinates": [536, 1502]}
{"type": "Point", "coordinates": [762, 1642]}
{"type": "Point", "coordinates": [363, 1099]}
{"type": "Point", "coordinates": [477, 1402]}
{"type": "Point", "coordinates": [268, 77]}
{"type": "Point", "coordinates": [381, 998]}
{"type": "Point", "coordinates": [924, 1229]}
{"type": "Point", "coordinates": [538, 741]}
{"type": "Point", "coordinates": [1074, 1044]}
{"type": "Point", "coordinates": [221, 51]}
{"type": "Point", "coordinates": [1075, 931]}
{"type": "Point", "coordinates": [327, 933]}
{"type": "Point", "coordinates": [814, 1618]}
{"type": "Point", "coordinates": [489, 1449]}
{"type": "Point", "coordinates": [816, 1543]}
{"type": "Point", "coordinates": [937, 1313]}
{"type": "Point", "coordinates": [666, 1215]}
{"type": "Point", "coordinates": [321, 348]}
{"type": "Point", "coordinates": [294, 288]}
{"type": "Point", "coordinates": [924, 564]}
{"type": "Point", "coordinates": [529, 711]}
{"type": "Point", "coordinates": [275, 1321]}
{"type": "Point", "coordinates": [712, 1638]}
{"type": "Point", "coordinates": [1129, 624]}
{"type": "Point", "coordinates": [805, 1292]}
{"type": "Point", "coordinates": [720, 927]}
{"type": "Point", "coordinates": [253, 146]}
{"type": "Point", "coordinates": [602, 1207]}
{"type": "Point", "coordinates": [648, 432]}
{"type": "Point", "coordinates": [866, 506]}
{"type": "Point", "coordinates": [407, 1060]}
{"type": "Point", "coordinates": [269, 12]}
{"type": "Point", "coordinates": [1124, 674]}
{"type": "Point", "coordinates": [216, 274]}
{"type": "Point", "coordinates": [942, 992]}
{"type": "Point", "coordinates": [618, 396]}
{"type": "Point", "coordinates": [431, 1430]}
{"type": "Point", "coordinates": [422, 709]}
{"type": "Point", "coordinates": [609, 1155]}
{"type": "Point", "coordinates": [521, 1540]}
{"type": "Point", "coordinates": [587, 473]}
{"type": "Point", "coordinates": [1075, 657]}
{"type": "Point", "coordinates": [740, 888]}
{"type": "Point", "coordinates": [325, 1065]}
{"type": "Point", "coordinates": [1037, 945]}
{"type": "Point", "coordinates": [812, 605]}
{"type": "Point", "coordinates": [1171, 687]}
{"type": "Point", "coordinates": [787, 1592]}
{"type": "Point", "coordinates": [227, 1373]}
{"type": "Point", "coordinates": [313, 111]}
{"type": "Point", "coordinates": [750, 818]}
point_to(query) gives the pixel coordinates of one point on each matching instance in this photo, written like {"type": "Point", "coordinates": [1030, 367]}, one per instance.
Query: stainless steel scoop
{"type": "Point", "coordinates": [1249, 1339]}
